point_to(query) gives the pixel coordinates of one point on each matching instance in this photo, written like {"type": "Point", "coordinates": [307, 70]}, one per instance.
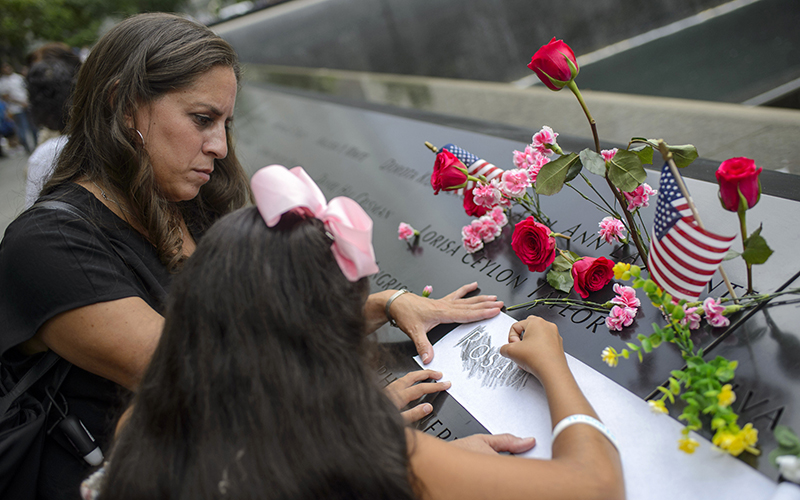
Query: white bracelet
{"type": "Point", "coordinates": [584, 419]}
{"type": "Point", "coordinates": [389, 304]}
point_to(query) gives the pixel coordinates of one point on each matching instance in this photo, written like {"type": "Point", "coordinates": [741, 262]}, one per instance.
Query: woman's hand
{"type": "Point", "coordinates": [489, 444]}
{"type": "Point", "coordinates": [535, 345]}
{"type": "Point", "coordinates": [408, 388]}
{"type": "Point", "coordinates": [416, 315]}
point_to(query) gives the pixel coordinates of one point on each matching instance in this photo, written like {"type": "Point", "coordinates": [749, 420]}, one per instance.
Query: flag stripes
{"type": "Point", "coordinates": [683, 256]}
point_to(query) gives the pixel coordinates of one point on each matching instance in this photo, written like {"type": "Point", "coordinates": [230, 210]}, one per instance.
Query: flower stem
{"type": "Point", "coordinates": [631, 223]}
{"type": "Point", "coordinates": [548, 301]}
{"type": "Point", "coordinates": [599, 206]}
{"type": "Point", "coordinates": [637, 238]}
{"type": "Point", "coordinates": [610, 208]}
{"type": "Point", "coordinates": [743, 227]}
{"type": "Point", "coordinates": [574, 88]}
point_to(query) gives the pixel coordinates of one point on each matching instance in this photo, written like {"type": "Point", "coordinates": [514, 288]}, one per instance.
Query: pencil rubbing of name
{"type": "Point", "coordinates": [479, 359]}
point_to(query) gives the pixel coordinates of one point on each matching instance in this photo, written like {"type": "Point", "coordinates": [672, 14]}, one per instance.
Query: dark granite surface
{"type": "Point", "coordinates": [377, 157]}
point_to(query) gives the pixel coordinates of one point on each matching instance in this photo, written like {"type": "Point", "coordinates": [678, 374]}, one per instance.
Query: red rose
{"type": "Point", "coordinates": [738, 174]}
{"type": "Point", "coordinates": [448, 172]}
{"type": "Point", "coordinates": [591, 274]}
{"type": "Point", "coordinates": [554, 64]}
{"type": "Point", "coordinates": [533, 244]}
{"type": "Point", "coordinates": [470, 207]}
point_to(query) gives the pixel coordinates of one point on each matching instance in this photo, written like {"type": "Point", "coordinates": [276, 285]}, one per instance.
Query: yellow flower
{"type": "Point", "coordinates": [619, 268]}
{"type": "Point", "coordinates": [657, 406]}
{"type": "Point", "coordinates": [730, 442]}
{"type": "Point", "coordinates": [726, 396]}
{"type": "Point", "coordinates": [749, 435]}
{"type": "Point", "coordinates": [721, 439]}
{"type": "Point", "coordinates": [687, 444]}
{"type": "Point", "coordinates": [610, 356]}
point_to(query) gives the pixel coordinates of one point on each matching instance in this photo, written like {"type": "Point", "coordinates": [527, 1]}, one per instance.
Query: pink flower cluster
{"type": "Point", "coordinates": [612, 229]}
{"type": "Point", "coordinates": [691, 318]}
{"type": "Point", "coordinates": [405, 232]}
{"type": "Point", "coordinates": [542, 138]}
{"type": "Point", "coordinates": [483, 230]}
{"type": "Point", "coordinates": [487, 195]}
{"type": "Point", "coordinates": [714, 311]}
{"type": "Point", "coordinates": [531, 160]}
{"type": "Point", "coordinates": [639, 197]}
{"type": "Point", "coordinates": [608, 154]}
{"type": "Point", "coordinates": [514, 183]}
{"type": "Point", "coordinates": [624, 312]}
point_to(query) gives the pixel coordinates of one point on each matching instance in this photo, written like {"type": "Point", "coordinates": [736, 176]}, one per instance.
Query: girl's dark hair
{"type": "Point", "coordinates": [259, 388]}
{"type": "Point", "coordinates": [136, 62]}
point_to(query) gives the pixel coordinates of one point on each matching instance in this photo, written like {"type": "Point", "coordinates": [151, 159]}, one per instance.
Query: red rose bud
{"type": "Point", "coordinates": [533, 244]}
{"type": "Point", "coordinates": [555, 64]}
{"type": "Point", "coordinates": [470, 207]}
{"type": "Point", "coordinates": [448, 172]}
{"type": "Point", "coordinates": [591, 274]}
{"type": "Point", "coordinates": [738, 174]}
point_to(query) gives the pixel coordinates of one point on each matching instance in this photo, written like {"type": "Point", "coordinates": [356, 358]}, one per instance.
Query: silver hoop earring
{"type": "Point", "coordinates": [140, 136]}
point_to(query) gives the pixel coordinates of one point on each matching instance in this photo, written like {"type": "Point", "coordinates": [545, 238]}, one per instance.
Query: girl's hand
{"type": "Point", "coordinates": [536, 346]}
{"type": "Point", "coordinates": [411, 387]}
{"type": "Point", "coordinates": [489, 444]}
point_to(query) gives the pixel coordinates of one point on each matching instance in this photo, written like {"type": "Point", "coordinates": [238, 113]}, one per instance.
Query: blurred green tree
{"type": "Point", "coordinates": [24, 23]}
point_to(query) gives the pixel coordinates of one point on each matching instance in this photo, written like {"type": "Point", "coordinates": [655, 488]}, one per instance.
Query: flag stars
{"type": "Point", "coordinates": [466, 157]}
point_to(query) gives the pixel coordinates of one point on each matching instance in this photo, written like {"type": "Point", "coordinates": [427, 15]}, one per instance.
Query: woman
{"type": "Point", "coordinates": [273, 396]}
{"type": "Point", "coordinates": [150, 164]}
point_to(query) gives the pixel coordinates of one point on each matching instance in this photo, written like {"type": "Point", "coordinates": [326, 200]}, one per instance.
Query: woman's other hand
{"type": "Point", "coordinates": [416, 315]}
{"type": "Point", "coordinates": [411, 387]}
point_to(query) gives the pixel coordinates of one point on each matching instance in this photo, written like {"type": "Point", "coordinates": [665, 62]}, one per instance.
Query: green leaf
{"type": "Point", "coordinates": [655, 340]}
{"type": "Point", "coordinates": [646, 345]}
{"type": "Point", "coordinates": [573, 171]}
{"type": "Point", "coordinates": [561, 264]}
{"type": "Point", "coordinates": [625, 170]}
{"type": "Point", "coordinates": [756, 250]}
{"type": "Point", "coordinates": [641, 141]}
{"type": "Point", "coordinates": [694, 362]}
{"type": "Point", "coordinates": [560, 280]}
{"type": "Point", "coordinates": [683, 155]}
{"type": "Point", "coordinates": [786, 437]}
{"type": "Point", "coordinates": [645, 155]}
{"type": "Point", "coordinates": [667, 393]}
{"type": "Point", "coordinates": [724, 374]}
{"type": "Point", "coordinates": [731, 255]}
{"type": "Point", "coordinates": [632, 346]}
{"type": "Point", "coordinates": [593, 162]}
{"type": "Point", "coordinates": [550, 178]}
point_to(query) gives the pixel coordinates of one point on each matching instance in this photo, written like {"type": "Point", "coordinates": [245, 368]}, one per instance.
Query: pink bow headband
{"type": "Point", "coordinates": [278, 190]}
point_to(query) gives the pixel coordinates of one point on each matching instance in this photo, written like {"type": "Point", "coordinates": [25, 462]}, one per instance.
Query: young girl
{"type": "Point", "coordinates": [261, 386]}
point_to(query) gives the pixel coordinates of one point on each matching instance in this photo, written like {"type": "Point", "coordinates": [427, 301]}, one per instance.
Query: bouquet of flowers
{"type": "Point", "coordinates": [544, 169]}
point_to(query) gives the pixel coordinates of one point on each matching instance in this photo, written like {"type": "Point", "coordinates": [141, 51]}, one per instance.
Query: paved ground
{"type": "Point", "coordinates": [12, 188]}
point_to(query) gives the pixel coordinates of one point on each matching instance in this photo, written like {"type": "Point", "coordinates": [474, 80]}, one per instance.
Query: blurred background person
{"type": "Point", "coordinates": [53, 69]}
{"type": "Point", "coordinates": [15, 93]}
{"type": "Point", "coordinates": [8, 131]}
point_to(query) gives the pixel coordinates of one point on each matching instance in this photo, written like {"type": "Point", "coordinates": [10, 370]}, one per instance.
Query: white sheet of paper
{"type": "Point", "coordinates": [505, 399]}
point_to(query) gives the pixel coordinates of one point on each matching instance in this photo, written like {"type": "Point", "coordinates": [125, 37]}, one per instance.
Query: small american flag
{"type": "Point", "coordinates": [683, 256]}
{"type": "Point", "coordinates": [475, 166]}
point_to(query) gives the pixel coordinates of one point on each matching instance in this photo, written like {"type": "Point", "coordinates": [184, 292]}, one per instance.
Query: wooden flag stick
{"type": "Point", "coordinates": [665, 152]}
